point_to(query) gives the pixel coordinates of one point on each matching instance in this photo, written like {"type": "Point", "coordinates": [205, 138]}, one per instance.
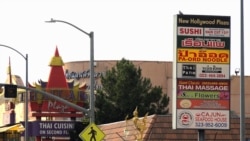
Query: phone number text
{"type": "Point", "coordinates": [201, 124]}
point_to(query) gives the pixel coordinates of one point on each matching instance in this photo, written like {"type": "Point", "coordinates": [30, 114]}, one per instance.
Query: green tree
{"type": "Point", "coordinates": [123, 90]}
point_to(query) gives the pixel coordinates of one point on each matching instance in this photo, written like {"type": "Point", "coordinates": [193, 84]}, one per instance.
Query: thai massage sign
{"type": "Point", "coordinates": [201, 94]}
{"type": "Point", "coordinates": [201, 98]}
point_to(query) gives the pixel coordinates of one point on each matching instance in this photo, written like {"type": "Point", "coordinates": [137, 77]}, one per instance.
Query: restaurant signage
{"type": "Point", "coordinates": [203, 56]}
{"type": "Point", "coordinates": [51, 128]}
{"type": "Point", "coordinates": [201, 95]}
{"type": "Point", "coordinates": [203, 119]}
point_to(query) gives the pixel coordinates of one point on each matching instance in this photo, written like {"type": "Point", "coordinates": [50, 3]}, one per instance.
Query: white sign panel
{"type": "Point", "coordinates": [203, 71]}
{"type": "Point", "coordinates": [216, 32]}
{"type": "Point", "coordinates": [203, 119]}
{"type": "Point", "coordinates": [190, 31]}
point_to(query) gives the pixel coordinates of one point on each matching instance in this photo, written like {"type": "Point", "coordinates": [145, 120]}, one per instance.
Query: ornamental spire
{"type": "Point", "coordinates": [9, 72]}
{"type": "Point", "coordinates": [56, 60]}
{"type": "Point", "coordinates": [57, 77]}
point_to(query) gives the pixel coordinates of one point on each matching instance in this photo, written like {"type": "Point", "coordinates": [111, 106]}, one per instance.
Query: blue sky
{"type": "Point", "coordinates": [133, 29]}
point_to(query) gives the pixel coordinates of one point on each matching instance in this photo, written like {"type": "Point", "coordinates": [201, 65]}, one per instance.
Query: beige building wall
{"type": "Point", "coordinates": [160, 73]}
{"type": "Point", "coordinates": [235, 94]}
{"type": "Point", "coordinates": [19, 104]}
{"type": "Point", "coordinates": [2, 109]}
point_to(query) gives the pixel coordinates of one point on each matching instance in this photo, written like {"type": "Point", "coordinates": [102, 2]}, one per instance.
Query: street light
{"type": "Point", "coordinates": [242, 75]}
{"type": "Point", "coordinates": [26, 95]}
{"type": "Point", "coordinates": [91, 36]}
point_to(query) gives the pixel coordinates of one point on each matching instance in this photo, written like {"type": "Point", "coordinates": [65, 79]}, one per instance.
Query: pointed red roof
{"type": "Point", "coordinates": [57, 53]}
{"type": "Point", "coordinates": [57, 77]}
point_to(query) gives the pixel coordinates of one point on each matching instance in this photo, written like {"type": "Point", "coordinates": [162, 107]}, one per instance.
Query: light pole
{"type": "Point", "coordinates": [91, 36]}
{"type": "Point", "coordinates": [26, 95]}
{"type": "Point", "coordinates": [242, 75]}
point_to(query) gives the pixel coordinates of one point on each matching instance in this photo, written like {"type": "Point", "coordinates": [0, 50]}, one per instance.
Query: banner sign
{"type": "Point", "coordinates": [203, 104]}
{"type": "Point", "coordinates": [203, 85]}
{"type": "Point", "coordinates": [219, 95]}
{"type": "Point", "coordinates": [217, 32]}
{"type": "Point", "coordinates": [203, 71]}
{"type": "Point", "coordinates": [206, 21]}
{"type": "Point", "coordinates": [199, 31]}
{"type": "Point", "coordinates": [203, 119]}
{"type": "Point", "coordinates": [203, 56]}
{"type": "Point", "coordinates": [52, 128]}
{"type": "Point", "coordinates": [53, 106]}
{"type": "Point", "coordinates": [203, 42]}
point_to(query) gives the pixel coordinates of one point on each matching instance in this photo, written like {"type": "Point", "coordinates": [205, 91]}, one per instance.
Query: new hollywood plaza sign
{"type": "Point", "coordinates": [201, 41]}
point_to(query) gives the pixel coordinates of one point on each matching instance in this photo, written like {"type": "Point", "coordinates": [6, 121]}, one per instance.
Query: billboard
{"type": "Point", "coordinates": [201, 72]}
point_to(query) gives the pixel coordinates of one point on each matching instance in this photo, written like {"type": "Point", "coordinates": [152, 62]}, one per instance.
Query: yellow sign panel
{"type": "Point", "coordinates": [203, 56]}
{"type": "Point", "coordinates": [92, 133]}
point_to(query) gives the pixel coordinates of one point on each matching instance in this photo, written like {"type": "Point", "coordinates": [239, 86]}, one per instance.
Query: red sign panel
{"type": "Point", "coordinates": [52, 106]}
{"type": "Point", "coordinates": [203, 104]}
{"type": "Point", "coordinates": [203, 85]}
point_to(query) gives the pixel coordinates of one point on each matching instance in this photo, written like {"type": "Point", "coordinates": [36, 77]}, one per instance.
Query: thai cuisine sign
{"type": "Point", "coordinates": [201, 71]}
{"type": "Point", "coordinates": [51, 128]}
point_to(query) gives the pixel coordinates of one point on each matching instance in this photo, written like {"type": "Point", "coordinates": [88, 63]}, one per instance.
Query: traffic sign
{"type": "Point", "coordinates": [92, 133]}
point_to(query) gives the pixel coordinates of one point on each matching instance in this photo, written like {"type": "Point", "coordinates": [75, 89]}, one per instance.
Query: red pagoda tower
{"type": "Point", "coordinates": [42, 106]}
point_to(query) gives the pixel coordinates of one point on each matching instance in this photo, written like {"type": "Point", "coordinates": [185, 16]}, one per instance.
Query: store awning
{"type": "Point", "coordinates": [17, 127]}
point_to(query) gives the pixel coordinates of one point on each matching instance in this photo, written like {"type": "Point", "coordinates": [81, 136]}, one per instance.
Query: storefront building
{"type": "Point", "coordinates": [49, 120]}
{"type": "Point", "coordinates": [160, 74]}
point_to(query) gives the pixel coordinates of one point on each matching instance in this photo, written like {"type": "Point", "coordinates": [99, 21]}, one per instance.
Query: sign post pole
{"type": "Point", "coordinates": [201, 135]}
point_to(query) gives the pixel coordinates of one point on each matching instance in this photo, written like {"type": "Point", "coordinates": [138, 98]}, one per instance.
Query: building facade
{"type": "Point", "coordinates": [48, 119]}
{"type": "Point", "coordinates": [76, 75]}
{"type": "Point", "coordinates": [160, 74]}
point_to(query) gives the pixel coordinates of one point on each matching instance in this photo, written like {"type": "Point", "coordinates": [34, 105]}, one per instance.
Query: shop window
{"type": "Point", "coordinates": [6, 105]}
{"type": "Point", "coordinates": [12, 136]}
{"type": "Point", "coordinates": [21, 97]}
{"type": "Point", "coordinates": [9, 105]}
